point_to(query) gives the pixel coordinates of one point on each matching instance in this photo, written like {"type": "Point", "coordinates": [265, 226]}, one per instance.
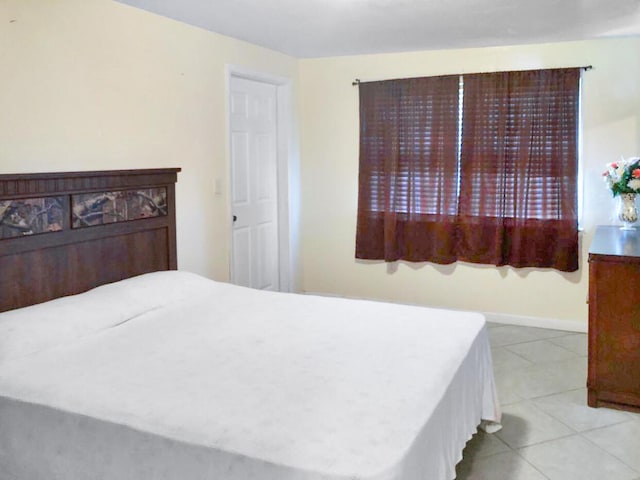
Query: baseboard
{"type": "Point", "coordinates": [502, 318]}
{"type": "Point", "coordinates": [538, 322]}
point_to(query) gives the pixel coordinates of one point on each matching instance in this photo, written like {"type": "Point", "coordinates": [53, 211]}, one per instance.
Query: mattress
{"type": "Point", "coordinates": [173, 376]}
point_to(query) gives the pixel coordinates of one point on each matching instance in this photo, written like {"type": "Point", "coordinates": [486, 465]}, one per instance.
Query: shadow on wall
{"type": "Point", "coordinates": [503, 271]}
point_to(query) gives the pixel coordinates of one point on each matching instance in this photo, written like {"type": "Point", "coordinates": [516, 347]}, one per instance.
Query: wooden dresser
{"type": "Point", "coordinates": [614, 319]}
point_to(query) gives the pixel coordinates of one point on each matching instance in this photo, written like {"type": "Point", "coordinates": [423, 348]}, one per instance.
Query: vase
{"type": "Point", "coordinates": [628, 214]}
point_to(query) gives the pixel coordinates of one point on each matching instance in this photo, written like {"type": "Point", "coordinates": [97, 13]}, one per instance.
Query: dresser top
{"type": "Point", "coordinates": [610, 240]}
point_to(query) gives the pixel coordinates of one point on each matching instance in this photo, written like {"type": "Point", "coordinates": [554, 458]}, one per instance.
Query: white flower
{"type": "Point", "coordinates": [634, 184]}
{"type": "Point", "coordinates": [616, 170]}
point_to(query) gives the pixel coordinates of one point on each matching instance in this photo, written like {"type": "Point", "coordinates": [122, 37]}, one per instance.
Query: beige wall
{"type": "Point", "coordinates": [611, 121]}
{"type": "Point", "coordinates": [94, 84]}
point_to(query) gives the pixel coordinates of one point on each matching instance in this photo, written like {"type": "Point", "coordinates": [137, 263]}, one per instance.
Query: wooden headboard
{"type": "Point", "coordinates": [65, 233]}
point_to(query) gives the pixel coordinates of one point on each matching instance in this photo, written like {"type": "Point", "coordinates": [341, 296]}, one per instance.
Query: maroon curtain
{"type": "Point", "coordinates": [408, 181]}
{"type": "Point", "coordinates": [518, 184]}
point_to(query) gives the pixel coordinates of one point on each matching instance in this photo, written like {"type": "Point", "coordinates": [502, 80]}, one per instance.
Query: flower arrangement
{"type": "Point", "coordinates": [623, 176]}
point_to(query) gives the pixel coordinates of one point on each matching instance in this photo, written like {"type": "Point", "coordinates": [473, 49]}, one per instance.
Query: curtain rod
{"type": "Point", "coordinates": [357, 81]}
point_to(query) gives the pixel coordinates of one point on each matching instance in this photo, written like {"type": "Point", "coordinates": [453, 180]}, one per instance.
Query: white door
{"type": "Point", "coordinates": [254, 184]}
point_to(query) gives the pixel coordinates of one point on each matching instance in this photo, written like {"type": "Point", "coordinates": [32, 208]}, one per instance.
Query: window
{"type": "Point", "coordinates": [489, 179]}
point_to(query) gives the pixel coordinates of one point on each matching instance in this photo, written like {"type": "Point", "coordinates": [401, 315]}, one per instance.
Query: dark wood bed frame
{"type": "Point", "coordinates": [38, 267]}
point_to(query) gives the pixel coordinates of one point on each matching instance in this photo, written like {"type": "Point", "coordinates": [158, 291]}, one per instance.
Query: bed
{"type": "Point", "coordinates": [131, 370]}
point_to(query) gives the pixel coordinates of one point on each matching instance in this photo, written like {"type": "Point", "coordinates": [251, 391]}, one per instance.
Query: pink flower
{"type": "Point", "coordinates": [614, 165]}
{"type": "Point", "coordinates": [636, 173]}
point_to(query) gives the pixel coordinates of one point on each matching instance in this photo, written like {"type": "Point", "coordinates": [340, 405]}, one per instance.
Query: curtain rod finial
{"type": "Point", "coordinates": [356, 82]}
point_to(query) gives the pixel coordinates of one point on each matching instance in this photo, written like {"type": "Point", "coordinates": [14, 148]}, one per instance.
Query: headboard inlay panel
{"type": "Point", "coordinates": [45, 262]}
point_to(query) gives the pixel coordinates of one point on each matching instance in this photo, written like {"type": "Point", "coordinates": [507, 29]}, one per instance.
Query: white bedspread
{"type": "Point", "coordinates": [215, 381]}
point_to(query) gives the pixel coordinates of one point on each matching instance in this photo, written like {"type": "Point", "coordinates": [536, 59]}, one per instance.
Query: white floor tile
{"type": "Point", "coordinates": [507, 386]}
{"type": "Point", "coordinates": [524, 424]}
{"type": "Point", "coordinates": [548, 422]}
{"type": "Point", "coordinates": [571, 409]}
{"type": "Point", "coordinates": [511, 334]}
{"type": "Point", "coordinates": [622, 441]}
{"type": "Point", "coordinates": [578, 343]}
{"type": "Point", "coordinates": [575, 458]}
{"type": "Point", "coordinates": [540, 380]}
{"type": "Point", "coordinates": [504, 359]}
{"type": "Point", "coordinates": [484, 444]}
{"type": "Point", "coordinates": [503, 466]}
{"type": "Point", "coordinates": [573, 370]}
{"type": "Point", "coordinates": [494, 325]}
{"type": "Point", "coordinates": [541, 351]}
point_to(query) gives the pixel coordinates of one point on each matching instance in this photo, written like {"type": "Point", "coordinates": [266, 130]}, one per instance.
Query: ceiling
{"type": "Point", "coordinates": [321, 28]}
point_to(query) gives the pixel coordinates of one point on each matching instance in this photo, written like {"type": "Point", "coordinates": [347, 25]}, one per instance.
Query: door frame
{"type": "Point", "coordinates": [284, 121]}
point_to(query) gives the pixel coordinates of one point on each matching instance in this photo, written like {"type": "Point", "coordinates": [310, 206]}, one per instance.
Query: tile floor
{"type": "Point", "coordinates": [548, 431]}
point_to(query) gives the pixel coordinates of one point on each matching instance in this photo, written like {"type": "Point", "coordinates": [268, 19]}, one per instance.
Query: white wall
{"type": "Point", "coordinates": [95, 84]}
{"type": "Point", "coordinates": [611, 120]}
